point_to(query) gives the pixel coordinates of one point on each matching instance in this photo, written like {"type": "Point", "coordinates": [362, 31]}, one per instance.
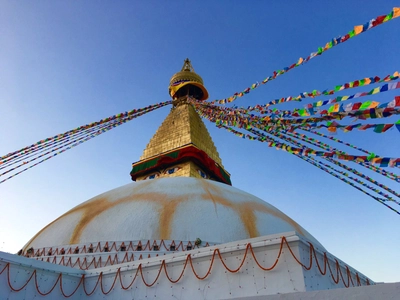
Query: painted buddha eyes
{"type": "Point", "coordinates": [152, 176]}
{"type": "Point", "coordinates": [172, 170]}
{"type": "Point", "coordinates": [202, 174]}
{"type": "Point", "coordinates": [168, 172]}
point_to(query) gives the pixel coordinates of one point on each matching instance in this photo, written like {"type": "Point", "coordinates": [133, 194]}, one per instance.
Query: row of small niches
{"type": "Point", "coordinates": [122, 249]}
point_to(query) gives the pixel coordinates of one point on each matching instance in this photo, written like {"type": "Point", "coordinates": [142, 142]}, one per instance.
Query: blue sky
{"type": "Point", "coordinates": [64, 64]}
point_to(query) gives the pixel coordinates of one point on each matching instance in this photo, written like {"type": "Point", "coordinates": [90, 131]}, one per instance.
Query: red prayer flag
{"type": "Point", "coordinates": [386, 127]}
{"type": "Point", "coordinates": [378, 20]}
{"type": "Point", "coordinates": [397, 101]}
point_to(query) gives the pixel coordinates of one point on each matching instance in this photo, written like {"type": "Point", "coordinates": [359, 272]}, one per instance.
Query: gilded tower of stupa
{"type": "Point", "coordinates": [182, 146]}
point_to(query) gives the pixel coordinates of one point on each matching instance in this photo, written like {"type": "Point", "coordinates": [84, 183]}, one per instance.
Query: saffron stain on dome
{"type": "Point", "coordinates": [249, 219]}
{"type": "Point", "coordinates": [167, 212]}
{"type": "Point", "coordinates": [246, 210]}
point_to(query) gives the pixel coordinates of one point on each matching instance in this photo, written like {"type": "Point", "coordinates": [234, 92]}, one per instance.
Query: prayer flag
{"type": "Point", "coordinates": [395, 102]}
{"type": "Point", "coordinates": [379, 128]}
{"type": "Point", "coordinates": [398, 125]}
{"type": "Point", "coordinates": [374, 104]}
{"type": "Point", "coordinates": [396, 12]}
{"type": "Point", "coordinates": [365, 105]}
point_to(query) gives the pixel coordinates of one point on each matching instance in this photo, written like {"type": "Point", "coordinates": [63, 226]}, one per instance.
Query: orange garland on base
{"type": "Point", "coordinates": [336, 279]}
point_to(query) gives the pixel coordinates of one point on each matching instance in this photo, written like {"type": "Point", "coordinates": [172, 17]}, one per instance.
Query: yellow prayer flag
{"type": "Point", "coordinates": [375, 91]}
{"type": "Point", "coordinates": [344, 98]}
{"type": "Point", "coordinates": [396, 74]}
{"type": "Point", "coordinates": [396, 12]}
{"type": "Point", "coordinates": [319, 103]}
{"type": "Point", "coordinates": [367, 80]}
{"type": "Point", "coordinates": [300, 60]}
{"type": "Point", "coordinates": [358, 29]}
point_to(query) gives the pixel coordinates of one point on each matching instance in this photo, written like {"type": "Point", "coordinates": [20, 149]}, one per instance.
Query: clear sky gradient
{"type": "Point", "coordinates": [64, 64]}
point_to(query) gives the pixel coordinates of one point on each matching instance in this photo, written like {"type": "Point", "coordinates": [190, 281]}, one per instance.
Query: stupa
{"type": "Point", "coordinates": [182, 193]}
{"type": "Point", "coordinates": [180, 230]}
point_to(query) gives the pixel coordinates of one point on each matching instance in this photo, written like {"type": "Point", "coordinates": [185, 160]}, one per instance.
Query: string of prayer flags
{"type": "Point", "coordinates": [58, 144]}
{"type": "Point", "coordinates": [239, 118]}
{"type": "Point", "coordinates": [377, 128]}
{"type": "Point", "coordinates": [363, 82]}
{"type": "Point", "coordinates": [312, 108]}
{"type": "Point", "coordinates": [334, 42]}
{"type": "Point", "coordinates": [381, 161]}
{"type": "Point", "coordinates": [319, 164]}
{"type": "Point", "coordinates": [343, 166]}
{"type": "Point", "coordinates": [363, 176]}
{"type": "Point", "coordinates": [388, 197]}
{"type": "Point", "coordinates": [90, 125]}
{"type": "Point", "coordinates": [380, 200]}
{"type": "Point", "coordinates": [335, 139]}
{"type": "Point", "coordinates": [327, 147]}
{"type": "Point", "coordinates": [371, 167]}
{"type": "Point", "coordinates": [222, 117]}
{"type": "Point", "coordinates": [385, 173]}
{"type": "Point", "coordinates": [309, 109]}
{"type": "Point", "coordinates": [11, 160]}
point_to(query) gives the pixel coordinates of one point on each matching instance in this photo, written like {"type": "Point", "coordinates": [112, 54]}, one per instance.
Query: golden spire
{"type": "Point", "coordinates": [182, 145]}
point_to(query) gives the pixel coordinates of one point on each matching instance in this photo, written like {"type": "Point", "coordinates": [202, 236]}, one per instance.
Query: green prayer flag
{"type": "Point", "coordinates": [365, 105]}
{"type": "Point", "coordinates": [388, 17]}
{"type": "Point", "coordinates": [371, 156]}
{"type": "Point", "coordinates": [379, 128]}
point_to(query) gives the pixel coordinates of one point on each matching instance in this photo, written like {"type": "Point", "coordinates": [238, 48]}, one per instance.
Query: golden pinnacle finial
{"type": "Point", "coordinates": [187, 66]}
{"type": "Point", "coordinates": [187, 83]}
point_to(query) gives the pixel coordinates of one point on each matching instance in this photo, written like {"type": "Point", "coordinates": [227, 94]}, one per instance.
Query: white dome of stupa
{"type": "Point", "coordinates": [180, 208]}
